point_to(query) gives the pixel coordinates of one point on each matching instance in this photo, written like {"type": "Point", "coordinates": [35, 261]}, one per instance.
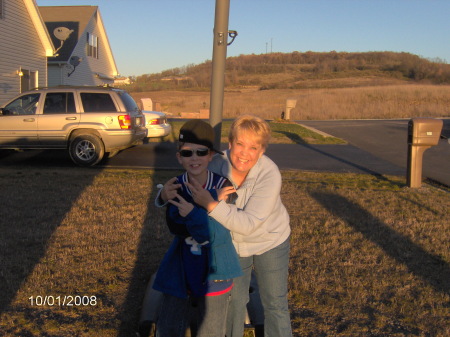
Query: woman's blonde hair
{"type": "Point", "coordinates": [253, 124]}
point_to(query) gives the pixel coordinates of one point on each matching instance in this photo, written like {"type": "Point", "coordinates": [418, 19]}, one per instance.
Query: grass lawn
{"type": "Point", "coordinates": [282, 133]}
{"type": "Point", "coordinates": [370, 256]}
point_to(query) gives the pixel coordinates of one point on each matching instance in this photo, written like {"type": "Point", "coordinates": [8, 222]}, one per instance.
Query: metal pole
{"type": "Point", "coordinates": [218, 67]}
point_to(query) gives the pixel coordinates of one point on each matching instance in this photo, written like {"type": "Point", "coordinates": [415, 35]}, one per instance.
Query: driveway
{"type": "Point", "coordinates": [387, 140]}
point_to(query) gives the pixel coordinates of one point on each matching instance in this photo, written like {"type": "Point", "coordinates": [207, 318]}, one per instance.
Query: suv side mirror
{"type": "Point", "coordinates": [4, 112]}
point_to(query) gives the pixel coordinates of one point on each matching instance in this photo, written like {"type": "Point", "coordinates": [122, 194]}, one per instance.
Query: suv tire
{"type": "Point", "coordinates": [86, 150]}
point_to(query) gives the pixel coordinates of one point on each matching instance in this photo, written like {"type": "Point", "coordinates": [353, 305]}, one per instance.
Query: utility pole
{"type": "Point", "coordinates": [218, 67]}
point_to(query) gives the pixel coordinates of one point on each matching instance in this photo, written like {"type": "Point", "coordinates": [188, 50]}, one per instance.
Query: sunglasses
{"type": "Point", "coordinates": [189, 153]}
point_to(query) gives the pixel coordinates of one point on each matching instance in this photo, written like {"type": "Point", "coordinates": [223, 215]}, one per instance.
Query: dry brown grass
{"type": "Point", "coordinates": [79, 233]}
{"type": "Point", "coordinates": [366, 257]}
{"type": "Point", "coordinates": [369, 256]}
{"type": "Point", "coordinates": [367, 102]}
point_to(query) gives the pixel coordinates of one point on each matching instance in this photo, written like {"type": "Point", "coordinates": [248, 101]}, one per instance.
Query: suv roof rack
{"type": "Point", "coordinates": [62, 86]}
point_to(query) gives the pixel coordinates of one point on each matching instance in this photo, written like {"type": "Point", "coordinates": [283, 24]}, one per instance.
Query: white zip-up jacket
{"type": "Point", "coordinates": [258, 221]}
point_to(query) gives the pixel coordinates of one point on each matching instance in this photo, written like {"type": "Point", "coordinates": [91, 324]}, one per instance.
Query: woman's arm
{"type": "Point", "coordinates": [207, 200]}
{"type": "Point", "coordinates": [259, 206]}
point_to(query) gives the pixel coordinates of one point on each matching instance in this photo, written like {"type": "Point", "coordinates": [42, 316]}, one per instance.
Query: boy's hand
{"type": "Point", "coordinates": [169, 191]}
{"type": "Point", "coordinates": [184, 207]}
{"type": "Point", "coordinates": [224, 192]}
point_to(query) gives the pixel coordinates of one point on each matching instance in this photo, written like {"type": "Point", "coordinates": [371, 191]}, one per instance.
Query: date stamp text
{"type": "Point", "coordinates": [63, 300]}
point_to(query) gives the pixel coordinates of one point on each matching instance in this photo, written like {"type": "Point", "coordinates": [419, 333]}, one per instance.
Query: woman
{"type": "Point", "coordinates": [258, 221]}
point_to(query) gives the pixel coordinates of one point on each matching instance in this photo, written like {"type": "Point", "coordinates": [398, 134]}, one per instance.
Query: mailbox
{"type": "Point", "coordinates": [423, 133]}
{"type": "Point", "coordinates": [290, 104]}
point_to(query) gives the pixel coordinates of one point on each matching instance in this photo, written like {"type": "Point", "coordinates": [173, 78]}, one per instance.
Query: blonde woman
{"type": "Point", "coordinates": [258, 221]}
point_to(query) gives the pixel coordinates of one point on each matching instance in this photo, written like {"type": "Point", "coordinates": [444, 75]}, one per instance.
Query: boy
{"type": "Point", "coordinates": [196, 273]}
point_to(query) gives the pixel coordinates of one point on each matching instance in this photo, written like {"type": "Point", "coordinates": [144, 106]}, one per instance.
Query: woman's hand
{"type": "Point", "coordinates": [201, 196]}
{"type": "Point", "coordinates": [224, 192]}
{"type": "Point", "coordinates": [169, 190]}
{"type": "Point", "coordinates": [184, 207]}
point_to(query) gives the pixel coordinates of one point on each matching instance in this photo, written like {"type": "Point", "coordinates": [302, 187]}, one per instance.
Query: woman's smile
{"type": "Point", "coordinates": [245, 152]}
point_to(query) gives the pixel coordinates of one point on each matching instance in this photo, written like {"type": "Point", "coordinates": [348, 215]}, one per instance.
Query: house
{"type": "Point", "coordinates": [83, 55]}
{"type": "Point", "coordinates": [122, 81]}
{"type": "Point", "coordinates": [25, 48]}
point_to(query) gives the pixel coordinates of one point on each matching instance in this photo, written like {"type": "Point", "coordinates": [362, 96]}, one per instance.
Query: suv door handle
{"type": "Point", "coordinates": [29, 120]}
{"type": "Point", "coordinates": [71, 118]}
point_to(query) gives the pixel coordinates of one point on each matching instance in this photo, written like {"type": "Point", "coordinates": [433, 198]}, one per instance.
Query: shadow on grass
{"type": "Point", "coordinates": [37, 194]}
{"type": "Point", "coordinates": [293, 136]}
{"type": "Point", "coordinates": [430, 268]}
{"type": "Point", "coordinates": [153, 243]}
{"type": "Point", "coordinates": [33, 205]}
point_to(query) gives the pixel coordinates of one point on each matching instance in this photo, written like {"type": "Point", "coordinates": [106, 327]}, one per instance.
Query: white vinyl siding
{"type": "Point", "coordinates": [21, 49]}
{"type": "Point", "coordinates": [86, 72]}
{"type": "Point", "coordinates": [55, 74]}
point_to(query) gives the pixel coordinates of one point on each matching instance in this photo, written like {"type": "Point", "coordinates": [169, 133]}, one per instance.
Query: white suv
{"type": "Point", "coordinates": [87, 121]}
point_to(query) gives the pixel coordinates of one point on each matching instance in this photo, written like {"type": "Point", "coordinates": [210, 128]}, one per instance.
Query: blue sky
{"type": "Point", "coordinates": [149, 36]}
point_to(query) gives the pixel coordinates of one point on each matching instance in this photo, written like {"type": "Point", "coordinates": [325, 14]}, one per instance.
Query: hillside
{"type": "Point", "coordinates": [297, 70]}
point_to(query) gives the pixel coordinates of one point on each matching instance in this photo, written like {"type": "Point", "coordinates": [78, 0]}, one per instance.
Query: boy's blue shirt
{"type": "Point", "coordinates": [222, 259]}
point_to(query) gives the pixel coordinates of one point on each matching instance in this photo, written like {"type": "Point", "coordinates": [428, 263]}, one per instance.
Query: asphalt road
{"type": "Point", "coordinates": [374, 147]}
{"type": "Point", "coordinates": [387, 140]}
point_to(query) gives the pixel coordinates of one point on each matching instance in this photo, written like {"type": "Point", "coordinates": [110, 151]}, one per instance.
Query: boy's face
{"type": "Point", "coordinates": [194, 164]}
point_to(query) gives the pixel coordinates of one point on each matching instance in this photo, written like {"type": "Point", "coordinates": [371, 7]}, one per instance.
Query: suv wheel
{"type": "Point", "coordinates": [86, 150]}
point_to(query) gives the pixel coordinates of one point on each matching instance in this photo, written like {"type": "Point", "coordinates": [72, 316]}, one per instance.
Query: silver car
{"type": "Point", "coordinates": [87, 121]}
{"type": "Point", "coordinates": [156, 124]}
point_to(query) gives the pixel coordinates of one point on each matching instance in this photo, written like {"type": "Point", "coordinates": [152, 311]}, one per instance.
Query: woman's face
{"type": "Point", "coordinates": [245, 150]}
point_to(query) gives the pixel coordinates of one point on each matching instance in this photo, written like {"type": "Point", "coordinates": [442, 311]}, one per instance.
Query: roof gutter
{"type": "Point", "coordinates": [39, 24]}
{"type": "Point", "coordinates": [104, 77]}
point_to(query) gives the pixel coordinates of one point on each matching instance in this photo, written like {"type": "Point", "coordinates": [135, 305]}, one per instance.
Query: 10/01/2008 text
{"type": "Point", "coordinates": [63, 301]}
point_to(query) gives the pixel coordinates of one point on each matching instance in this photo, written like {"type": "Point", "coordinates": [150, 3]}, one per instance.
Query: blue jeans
{"type": "Point", "coordinates": [271, 270]}
{"type": "Point", "coordinates": [205, 315]}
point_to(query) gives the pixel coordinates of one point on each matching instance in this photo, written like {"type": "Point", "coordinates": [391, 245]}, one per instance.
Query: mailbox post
{"type": "Point", "coordinates": [423, 133]}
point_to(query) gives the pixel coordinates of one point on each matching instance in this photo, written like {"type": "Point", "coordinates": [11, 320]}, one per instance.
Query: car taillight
{"type": "Point", "coordinates": [155, 121]}
{"type": "Point", "coordinates": [125, 122]}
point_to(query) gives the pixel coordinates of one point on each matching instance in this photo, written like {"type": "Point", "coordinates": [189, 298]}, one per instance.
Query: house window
{"type": "Point", "coordinates": [2, 13]}
{"type": "Point", "coordinates": [91, 45]}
